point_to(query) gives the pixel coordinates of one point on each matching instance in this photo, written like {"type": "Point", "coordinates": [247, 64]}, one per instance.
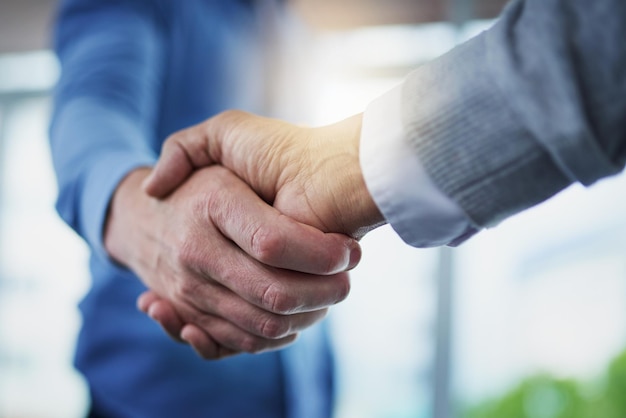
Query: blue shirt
{"type": "Point", "coordinates": [135, 71]}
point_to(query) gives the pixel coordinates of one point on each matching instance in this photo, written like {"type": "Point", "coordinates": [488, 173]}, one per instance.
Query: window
{"type": "Point", "coordinates": [42, 263]}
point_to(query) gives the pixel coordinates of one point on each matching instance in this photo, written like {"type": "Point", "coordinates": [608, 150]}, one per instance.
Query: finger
{"type": "Point", "coordinates": [274, 290]}
{"type": "Point", "coordinates": [168, 318]}
{"type": "Point", "coordinates": [280, 291]}
{"type": "Point", "coordinates": [275, 239]}
{"type": "Point", "coordinates": [181, 153]}
{"type": "Point", "coordinates": [211, 337]}
{"type": "Point", "coordinates": [223, 337]}
{"type": "Point", "coordinates": [162, 312]}
{"type": "Point", "coordinates": [145, 300]}
{"type": "Point", "coordinates": [205, 346]}
{"type": "Point", "coordinates": [210, 257]}
{"type": "Point", "coordinates": [221, 332]}
{"type": "Point", "coordinates": [217, 300]}
{"type": "Point", "coordinates": [259, 322]}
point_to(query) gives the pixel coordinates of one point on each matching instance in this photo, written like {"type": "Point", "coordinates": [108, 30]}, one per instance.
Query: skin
{"type": "Point", "coordinates": [213, 255]}
{"type": "Point", "coordinates": [311, 175]}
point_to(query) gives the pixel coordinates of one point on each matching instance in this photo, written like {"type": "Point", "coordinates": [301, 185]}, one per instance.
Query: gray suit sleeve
{"type": "Point", "coordinates": [525, 109]}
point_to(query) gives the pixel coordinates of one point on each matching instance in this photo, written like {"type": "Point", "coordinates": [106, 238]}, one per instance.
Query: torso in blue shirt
{"type": "Point", "coordinates": [133, 72]}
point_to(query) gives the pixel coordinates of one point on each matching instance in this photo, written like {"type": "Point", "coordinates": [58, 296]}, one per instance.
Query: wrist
{"type": "Point", "coordinates": [355, 207]}
{"type": "Point", "coordinates": [127, 204]}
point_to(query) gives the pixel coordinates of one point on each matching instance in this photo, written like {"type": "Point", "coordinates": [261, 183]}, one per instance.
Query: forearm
{"type": "Point", "coordinates": [129, 209]}
{"type": "Point", "coordinates": [104, 105]}
{"type": "Point", "coordinates": [90, 162]}
{"type": "Point", "coordinates": [510, 118]}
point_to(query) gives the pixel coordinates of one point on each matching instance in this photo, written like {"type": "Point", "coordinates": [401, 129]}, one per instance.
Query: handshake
{"type": "Point", "coordinates": [244, 230]}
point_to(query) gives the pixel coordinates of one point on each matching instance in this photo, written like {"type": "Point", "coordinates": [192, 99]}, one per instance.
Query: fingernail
{"type": "Point", "coordinates": [141, 306]}
{"type": "Point", "coordinates": [151, 312]}
{"type": "Point", "coordinates": [184, 335]}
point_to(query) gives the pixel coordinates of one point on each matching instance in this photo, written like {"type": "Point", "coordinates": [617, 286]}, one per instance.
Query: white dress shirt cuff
{"type": "Point", "coordinates": [421, 214]}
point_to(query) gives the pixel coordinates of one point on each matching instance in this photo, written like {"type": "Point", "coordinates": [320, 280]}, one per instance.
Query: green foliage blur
{"type": "Point", "coordinates": [543, 396]}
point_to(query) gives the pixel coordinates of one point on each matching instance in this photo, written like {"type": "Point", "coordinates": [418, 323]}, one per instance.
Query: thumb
{"type": "Point", "coordinates": [182, 153]}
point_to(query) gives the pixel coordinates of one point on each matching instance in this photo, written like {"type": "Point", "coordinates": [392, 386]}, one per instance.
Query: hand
{"type": "Point", "coordinates": [216, 251]}
{"type": "Point", "coordinates": [310, 174]}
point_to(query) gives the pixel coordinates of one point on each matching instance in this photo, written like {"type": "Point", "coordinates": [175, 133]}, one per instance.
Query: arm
{"type": "Point", "coordinates": [497, 125]}
{"type": "Point", "coordinates": [528, 107]}
{"type": "Point", "coordinates": [103, 134]}
{"type": "Point", "coordinates": [104, 105]}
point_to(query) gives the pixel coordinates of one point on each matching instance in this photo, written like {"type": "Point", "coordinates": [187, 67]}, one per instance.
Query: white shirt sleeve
{"type": "Point", "coordinates": [415, 208]}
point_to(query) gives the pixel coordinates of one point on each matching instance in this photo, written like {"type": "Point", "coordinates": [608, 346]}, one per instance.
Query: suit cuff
{"type": "Point", "coordinates": [415, 208]}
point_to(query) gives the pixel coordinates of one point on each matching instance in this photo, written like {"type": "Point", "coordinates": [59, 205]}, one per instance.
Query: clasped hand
{"type": "Point", "coordinates": [252, 231]}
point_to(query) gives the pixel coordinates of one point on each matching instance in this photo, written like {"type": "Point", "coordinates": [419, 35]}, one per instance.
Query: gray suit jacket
{"type": "Point", "coordinates": [525, 109]}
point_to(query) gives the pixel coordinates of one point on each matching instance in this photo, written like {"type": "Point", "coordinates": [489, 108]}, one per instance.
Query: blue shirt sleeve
{"type": "Point", "coordinates": [103, 124]}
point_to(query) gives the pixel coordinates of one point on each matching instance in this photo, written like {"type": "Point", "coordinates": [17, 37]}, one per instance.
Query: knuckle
{"type": "Point", "coordinates": [190, 251]}
{"type": "Point", "coordinates": [186, 289]}
{"type": "Point", "coordinates": [276, 299]}
{"type": "Point", "coordinates": [267, 244]}
{"type": "Point", "coordinates": [171, 141]}
{"type": "Point", "coordinates": [223, 120]}
{"type": "Point", "coordinates": [274, 327]}
{"type": "Point", "coordinates": [231, 114]}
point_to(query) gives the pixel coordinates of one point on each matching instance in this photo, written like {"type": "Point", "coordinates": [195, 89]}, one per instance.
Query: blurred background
{"type": "Point", "coordinates": [525, 320]}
